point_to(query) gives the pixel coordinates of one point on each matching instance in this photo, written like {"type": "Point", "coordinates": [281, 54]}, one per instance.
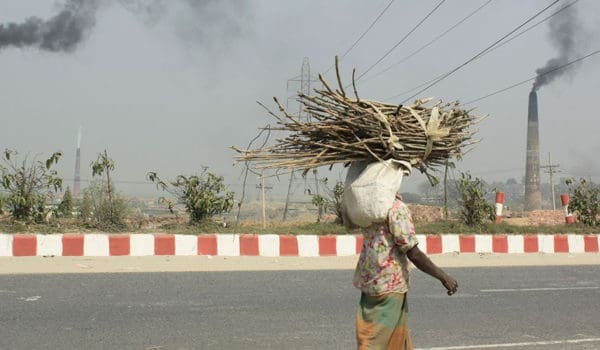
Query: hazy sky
{"type": "Point", "coordinates": [169, 86]}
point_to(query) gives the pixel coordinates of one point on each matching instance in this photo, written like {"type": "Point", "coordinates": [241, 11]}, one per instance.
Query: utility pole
{"type": "Point", "coordinates": [550, 169]}
{"type": "Point", "coordinates": [264, 210]}
{"type": "Point", "coordinates": [263, 199]}
{"type": "Point", "coordinates": [446, 191]}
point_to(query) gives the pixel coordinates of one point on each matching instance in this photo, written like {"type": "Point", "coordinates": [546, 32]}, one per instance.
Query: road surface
{"type": "Point", "coordinates": [529, 307]}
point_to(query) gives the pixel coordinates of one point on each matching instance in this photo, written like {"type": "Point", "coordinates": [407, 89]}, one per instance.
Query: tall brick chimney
{"type": "Point", "coordinates": [533, 195]}
{"type": "Point", "coordinates": [77, 177]}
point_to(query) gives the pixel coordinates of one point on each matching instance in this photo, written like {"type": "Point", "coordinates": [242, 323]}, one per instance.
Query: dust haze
{"type": "Point", "coordinates": [170, 85]}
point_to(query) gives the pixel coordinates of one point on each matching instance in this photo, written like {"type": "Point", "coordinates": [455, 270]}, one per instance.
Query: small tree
{"type": "Point", "coordinates": [331, 201]}
{"type": "Point", "coordinates": [475, 209]}
{"type": "Point", "coordinates": [28, 184]}
{"type": "Point", "coordinates": [104, 165]}
{"type": "Point", "coordinates": [585, 200]}
{"type": "Point", "coordinates": [203, 195]}
{"type": "Point", "coordinates": [321, 203]}
{"type": "Point", "coordinates": [65, 208]}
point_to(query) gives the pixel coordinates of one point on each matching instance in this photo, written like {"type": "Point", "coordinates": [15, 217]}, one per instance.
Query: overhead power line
{"type": "Point", "coordinates": [534, 77]}
{"type": "Point", "coordinates": [414, 89]}
{"type": "Point", "coordinates": [487, 52]}
{"type": "Point", "coordinates": [401, 40]}
{"type": "Point", "coordinates": [481, 52]}
{"type": "Point", "coordinates": [432, 41]}
{"type": "Point", "coordinates": [362, 35]}
{"type": "Point", "coordinates": [533, 26]}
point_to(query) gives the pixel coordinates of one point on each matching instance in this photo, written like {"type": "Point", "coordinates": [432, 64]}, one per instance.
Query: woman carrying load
{"type": "Point", "coordinates": [382, 271]}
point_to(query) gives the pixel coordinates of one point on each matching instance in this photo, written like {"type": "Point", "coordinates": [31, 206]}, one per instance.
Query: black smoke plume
{"type": "Point", "coordinates": [568, 36]}
{"type": "Point", "coordinates": [62, 32]}
{"type": "Point", "coordinates": [203, 20]}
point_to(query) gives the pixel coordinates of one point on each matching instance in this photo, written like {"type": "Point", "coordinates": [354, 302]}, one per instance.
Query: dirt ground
{"type": "Point", "coordinates": [535, 218]}
{"type": "Point", "coordinates": [424, 213]}
{"type": "Point", "coordinates": [118, 264]}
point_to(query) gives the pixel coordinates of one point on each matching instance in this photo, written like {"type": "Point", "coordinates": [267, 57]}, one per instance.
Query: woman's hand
{"type": "Point", "coordinates": [423, 263]}
{"type": "Point", "coordinates": [450, 284]}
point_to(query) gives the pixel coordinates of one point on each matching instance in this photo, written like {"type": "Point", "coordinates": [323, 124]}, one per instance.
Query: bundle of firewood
{"type": "Point", "coordinates": [341, 129]}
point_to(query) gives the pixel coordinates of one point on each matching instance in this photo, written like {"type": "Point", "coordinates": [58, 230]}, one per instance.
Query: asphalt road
{"type": "Point", "coordinates": [496, 308]}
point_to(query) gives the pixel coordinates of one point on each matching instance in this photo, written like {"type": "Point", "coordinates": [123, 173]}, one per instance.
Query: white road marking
{"type": "Point", "coordinates": [514, 345]}
{"type": "Point", "coordinates": [445, 296]}
{"type": "Point", "coordinates": [535, 289]}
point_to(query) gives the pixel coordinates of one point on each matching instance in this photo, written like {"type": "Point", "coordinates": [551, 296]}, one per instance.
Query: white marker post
{"type": "Point", "coordinates": [499, 206]}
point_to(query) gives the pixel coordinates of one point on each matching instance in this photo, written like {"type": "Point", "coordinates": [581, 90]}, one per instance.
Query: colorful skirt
{"type": "Point", "coordinates": [382, 322]}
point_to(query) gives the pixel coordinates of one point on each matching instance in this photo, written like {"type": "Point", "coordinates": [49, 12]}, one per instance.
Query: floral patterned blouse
{"type": "Point", "coordinates": [383, 266]}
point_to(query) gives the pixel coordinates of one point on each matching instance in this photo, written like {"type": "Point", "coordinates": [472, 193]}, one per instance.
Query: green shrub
{"type": "Point", "coordinates": [203, 195]}
{"type": "Point", "coordinates": [28, 185]}
{"type": "Point", "coordinates": [65, 208]}
{"type": "Point", "coordinates": [585, 200]}
{"type": "Point", "coordinates": [98, 212]}
{"type": "Point", "coordinates": [475, 210]}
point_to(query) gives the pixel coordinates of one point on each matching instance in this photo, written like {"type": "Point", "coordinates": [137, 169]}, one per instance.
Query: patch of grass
{"type": "Point", "coordinates": [13, 227]}
{"type": "Point", "coordinates": [55, 226]}
{"type": "Point", "coordinates": [294, 228]}
{"type": "Point", "coordinates": [448, 227]}
{"type": "Point", "coordinates": [23, 227]}
{"type": "Point", "coordinates": [321, 228]}
{"type": "Point", "coordinates": [190, 229]}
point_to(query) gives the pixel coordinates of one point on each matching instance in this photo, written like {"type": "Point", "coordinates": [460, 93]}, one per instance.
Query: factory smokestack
{"type": "Point", "coordinates": [533, 195]}
{"type": "Point", "coordinates": [568, 36]}
{"type": "Point", "coordinates": [77, 177]}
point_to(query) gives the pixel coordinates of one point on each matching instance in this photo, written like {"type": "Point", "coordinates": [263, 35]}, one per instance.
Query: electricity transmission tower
{"type": "Point", "coordinates": [301, 83]}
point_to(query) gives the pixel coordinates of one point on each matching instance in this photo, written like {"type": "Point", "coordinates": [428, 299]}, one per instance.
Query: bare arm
{"type": "Point", "coordinates": [423, 263]}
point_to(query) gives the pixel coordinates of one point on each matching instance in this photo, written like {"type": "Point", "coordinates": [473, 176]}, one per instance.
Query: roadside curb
{"type": "Point", "coordinates": [272, 245]}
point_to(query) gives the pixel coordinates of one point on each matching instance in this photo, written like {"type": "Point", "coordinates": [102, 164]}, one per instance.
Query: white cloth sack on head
{"type": "Point", "coordinates": [370, 189]}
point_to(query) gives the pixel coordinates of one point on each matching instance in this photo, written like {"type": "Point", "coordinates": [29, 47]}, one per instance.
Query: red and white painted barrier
{"type": "Point", "coordinates": [277, 245]}
{"type": "Point", "coordinates": [564, 198]}
{"type": "Point", "coordinates": [499, 206]}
